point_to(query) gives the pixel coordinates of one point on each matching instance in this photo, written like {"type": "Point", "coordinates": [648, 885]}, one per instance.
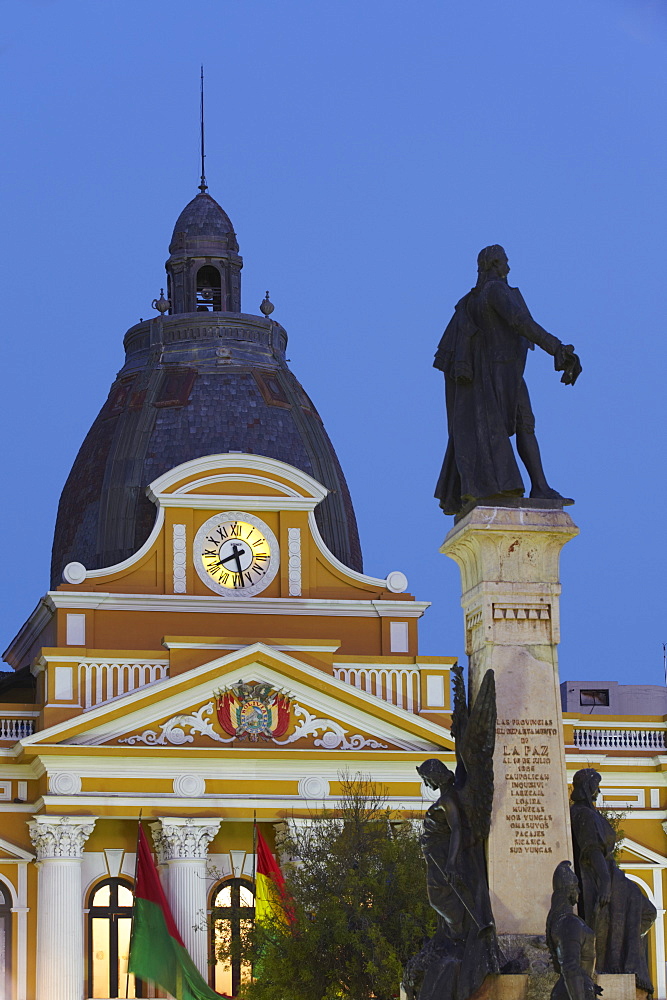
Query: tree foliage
{"type": "Point", "coordinates": [357, 881]}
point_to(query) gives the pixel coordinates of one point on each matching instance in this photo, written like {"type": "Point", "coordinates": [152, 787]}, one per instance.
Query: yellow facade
{"type": "Point", "coordinates": [138, 711]}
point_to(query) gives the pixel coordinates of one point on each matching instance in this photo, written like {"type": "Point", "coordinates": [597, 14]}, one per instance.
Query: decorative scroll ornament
{"type": "Point", "coordinates": [253, 711]}
{"type": "Point", "coordinates": [173, 730]}
{"type": "Point", "coordinates": [334, 737]}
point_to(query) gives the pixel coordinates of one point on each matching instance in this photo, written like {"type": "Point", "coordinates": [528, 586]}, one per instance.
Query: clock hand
{"type": "Point", "coordinates": [237, 554]}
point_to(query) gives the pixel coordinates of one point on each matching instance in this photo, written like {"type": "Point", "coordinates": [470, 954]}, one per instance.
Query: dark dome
{"type": "Point", "coordinates": [194, 384]}
{"type": "Point", "coordinates": [203, 227]}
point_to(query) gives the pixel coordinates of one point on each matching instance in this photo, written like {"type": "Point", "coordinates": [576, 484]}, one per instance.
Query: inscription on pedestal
{"type": "Point", "coordinates": [526, 761]}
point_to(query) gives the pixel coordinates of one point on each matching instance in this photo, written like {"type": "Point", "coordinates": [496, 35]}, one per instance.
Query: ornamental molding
{"type": "Point", "coordinates": [179, 559]}
{"type": "Point", "coordinates": [294, 561]}
{"type": "Point", "coordinates": [98, 600]}
{"type": "Point", "coordinates": [333, 737]}
{"type": "Point", "coordinates": [271, 467]}
{"type": "Point", "coordinates": [64, 783]}
{"type": "Point", "coordinates": [60, 836]}
{"type": "Point", "coordinates": [189, 786]}
{"type": "Point", "coordinates": [173, 731]}
{"type": "Point", "coordinates": [177, 839]}
{"type": "Point", "coordinates": [180, 729]}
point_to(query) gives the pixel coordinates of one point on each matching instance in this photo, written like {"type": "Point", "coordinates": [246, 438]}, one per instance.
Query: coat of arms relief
{"type": "Point", "coordinates": [250, 712]}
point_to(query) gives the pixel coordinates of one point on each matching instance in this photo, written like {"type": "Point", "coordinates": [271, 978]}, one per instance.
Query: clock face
{"type": "Point", "coordinates": [236, 554]}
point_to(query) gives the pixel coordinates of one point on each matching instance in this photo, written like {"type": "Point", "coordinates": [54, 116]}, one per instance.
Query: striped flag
{"type": "Point", "coordinates": [157, 952]}
{"type": "Point", "coordinates": [272, 901]}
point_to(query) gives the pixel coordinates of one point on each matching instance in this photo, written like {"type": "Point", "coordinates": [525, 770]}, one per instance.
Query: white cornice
{"type": "Point", "coordinates": [220, 502]}
{"type": "Point", "coordinates": [585, 759]}
{"type": "Point", "coordinates": [637, 778]}
{"type": "Point", "coordinates": [231, 803]}
{"type": "Point", "coordinates": [203, 645]}
{"type": "Point", "coordinates": [258, 463]}
{"type": "Point", "coordinates": [600, 722]}
{"type": "Point", "coordinates": [26, 635]}
{"type": "Point", "coordinates": [105, 601]}
{"type": "Point", "coordinates": [156, 764]}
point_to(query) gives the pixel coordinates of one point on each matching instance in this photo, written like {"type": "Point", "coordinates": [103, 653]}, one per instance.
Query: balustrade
{"type": "Point", "coordinates": [397, 685]}
{"type": "Point", "coordinates": [100, 682]}
{"type": "Point", "coordinates": [619, 739]}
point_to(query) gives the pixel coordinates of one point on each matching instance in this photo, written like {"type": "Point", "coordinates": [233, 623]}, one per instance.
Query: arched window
{"type": "Point", "coordinates": [109, 924]}
{"type": "Point", "coordinates": [5, 943]}
{"type": "Point", "coordinates": [209, 291]}
{"type": "Point", "coordinates": [232, 912]}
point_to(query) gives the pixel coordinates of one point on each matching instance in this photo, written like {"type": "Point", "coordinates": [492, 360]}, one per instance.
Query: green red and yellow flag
{"type": "Point", "coordinates": [272, 901]}
{"type": "Point", "coordinates": [157, 952]}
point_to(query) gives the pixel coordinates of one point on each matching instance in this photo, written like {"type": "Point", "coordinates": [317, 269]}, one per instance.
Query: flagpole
{"type": "Point", "coordinates": [254, 848]}
{"type": "Point", "coordinates": [136, 867]}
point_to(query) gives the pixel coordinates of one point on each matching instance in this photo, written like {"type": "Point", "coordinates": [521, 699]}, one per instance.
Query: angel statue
{"type": "Point", "coordinates": [464, 948]}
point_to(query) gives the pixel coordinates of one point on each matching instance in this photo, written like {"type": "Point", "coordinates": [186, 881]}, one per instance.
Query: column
{"type": "Point", "coordinates": [182, 843]}
{"type": "Point", "coordinates": [509, 562]}
{"type": "Point", "coordinates": [58, 842]}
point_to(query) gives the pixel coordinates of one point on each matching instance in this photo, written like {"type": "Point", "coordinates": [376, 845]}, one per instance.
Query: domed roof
{"type": "Point", "coordinates": [203, 227]}
{"type": "Point", "coordinates": [194, 383]}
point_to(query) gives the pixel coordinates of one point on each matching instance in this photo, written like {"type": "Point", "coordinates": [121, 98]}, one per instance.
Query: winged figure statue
{"type": "Point", "coordinates": [464, 948]}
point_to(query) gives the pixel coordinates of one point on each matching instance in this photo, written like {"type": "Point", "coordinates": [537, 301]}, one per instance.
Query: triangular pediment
{"type": "Point", "coordinates": [257, 697]}
{"type": "Point", "coordinates": [11, 852]}
{"type": "Point", "coordinates": [644, 854]}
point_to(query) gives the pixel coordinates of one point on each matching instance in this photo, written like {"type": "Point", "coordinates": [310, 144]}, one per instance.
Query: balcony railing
{"type": "Point", "coordinates": [620, 739]}
{"type": "Point", "coordinates": [397, 685]}
{"type": "Point", "coordinates": [16, 727]}
{"type": "Point", "coordinates": [100, 682]}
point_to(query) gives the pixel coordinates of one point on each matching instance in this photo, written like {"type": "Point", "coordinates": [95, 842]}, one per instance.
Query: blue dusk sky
{"type": "Point", "coordinates": [365, 151]}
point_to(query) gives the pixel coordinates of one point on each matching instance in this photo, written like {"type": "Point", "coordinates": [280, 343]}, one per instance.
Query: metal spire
{"type": "Point", "coordinates": [203, 187]}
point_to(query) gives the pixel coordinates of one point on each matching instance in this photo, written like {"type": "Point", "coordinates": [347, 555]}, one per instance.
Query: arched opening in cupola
{"type": "Point", "coordinates": [209, 289]}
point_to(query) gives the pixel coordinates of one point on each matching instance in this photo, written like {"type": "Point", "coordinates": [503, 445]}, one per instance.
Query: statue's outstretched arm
{"type": "Point", "coordinates": [510, 305]}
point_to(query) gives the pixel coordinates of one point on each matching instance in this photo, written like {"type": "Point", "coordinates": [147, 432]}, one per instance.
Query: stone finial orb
{"type": "Point", "coordinates": [267, 306]}
{"type": "Point", "coordinates": [161, 304]}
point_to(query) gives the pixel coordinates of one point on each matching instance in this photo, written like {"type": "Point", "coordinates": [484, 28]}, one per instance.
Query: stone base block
{"type": "Point", "coordinates": [539, 987]}
{"type": "Point", "coordinates": [620, 987]}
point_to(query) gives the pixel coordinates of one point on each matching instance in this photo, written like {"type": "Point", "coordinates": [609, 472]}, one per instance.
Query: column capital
{"type": "Point", "coordinates": [178, 838]}
{"type": "Point", "coordinates": [60, 836]}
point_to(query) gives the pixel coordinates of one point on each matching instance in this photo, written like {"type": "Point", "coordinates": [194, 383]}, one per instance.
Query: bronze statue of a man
{"type": "Point", "coordinates": [483, 355]}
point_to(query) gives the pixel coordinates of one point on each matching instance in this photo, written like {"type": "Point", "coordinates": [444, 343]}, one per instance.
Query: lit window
{"type": "Point", "coordinates": [109, 925]}
{"type": "Point", "coordinates": [232, 914]}
{"type": "Point", "coordinates": [599, 696]}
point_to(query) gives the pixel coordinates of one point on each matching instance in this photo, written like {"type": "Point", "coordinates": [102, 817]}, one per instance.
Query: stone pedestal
{"type": "Point", "coordinates": [182, 844]}
{"type": "Point", "coordinates": [526, 987]}
{"type": "Point", "coordinates": [58, 842]}
{"type": "Point", "coordinates": [508, 557]}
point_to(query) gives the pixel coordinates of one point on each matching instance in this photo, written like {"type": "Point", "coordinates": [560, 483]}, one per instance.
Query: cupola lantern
{"type": "Point", "coordinates": [204, 267]}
